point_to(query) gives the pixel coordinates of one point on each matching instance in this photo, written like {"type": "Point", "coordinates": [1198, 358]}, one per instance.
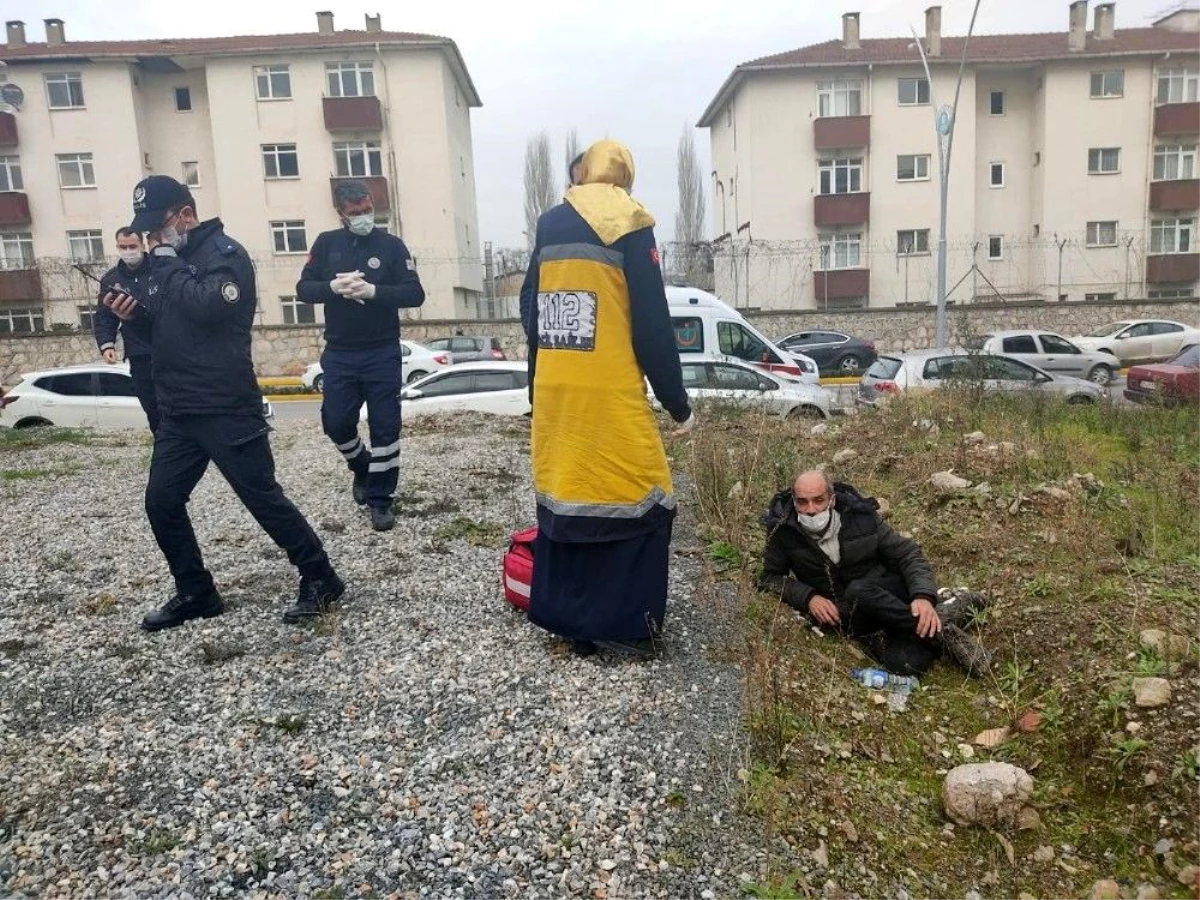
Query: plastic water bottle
{"type": "Point", "coordinates": [879, 680]}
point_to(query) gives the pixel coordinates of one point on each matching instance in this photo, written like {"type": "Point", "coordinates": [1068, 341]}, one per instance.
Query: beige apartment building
{"type": "Point", "coordinates": [1073, 170]}
{"type": "Point", "coordinates": [260, 127]}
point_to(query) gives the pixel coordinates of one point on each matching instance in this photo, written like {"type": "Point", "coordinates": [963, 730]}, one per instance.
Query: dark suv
{"type": "Point", "coordinates": [468, 348]}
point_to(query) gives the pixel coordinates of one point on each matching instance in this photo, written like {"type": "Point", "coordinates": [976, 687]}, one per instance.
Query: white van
{"type": "Point", "coordinates": [705, 324]}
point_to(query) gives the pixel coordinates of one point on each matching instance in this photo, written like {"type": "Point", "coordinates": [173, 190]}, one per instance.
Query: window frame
{"type": "Point", "coordinates": [184, 92]}
{"type": "Point", "coordinates": [11, 178]}
{"type": "Point", "coordinates": [183, 173]}
{"type": "Point", "coordinates": [69, 79]}
{"type": "Point", "coordinates": [833, 243]}
{"type": "Point", "coordinates": [998, 257]}
{"type": "Point", "coordinates": [87, 316]}
{"type": "Point", "coordinates": [681, 322]}
{"type": "Point", "coordinates": [1014, 338]}
{"type": "Point", "coordinates": [915, 83]}
{"type": "Point", "coordinates": [851, 166]}
{"type": "Point", "coordinates": [287, 229]}
{"type": "Point", "coordinates": [371, 152]}
{"type": "Point", "coordinates": [1104, 75]}
{"type": "Point", "coordinates": [830, 91]}
{"type": "Point", "coordinates": [1176, 227]}
{"type": "Point", "coordinates": [83, 162]}
{"type": "Point", "coordinates": [276, 154]}
{"type": "Point", "coordinates": [22, 242]}
{"type": "Point", "coordinates": [1093, 233]}
{"type": "Point", "coordinates": [355, 68]}
{"type": "Point", "coordinates": [915, 157]}
{"type": "Point", "coordinates": [993, 93]}
{"type": "Point", "coordinates": [268, 71]}
{"type": "Point", "coordinates": [916, 249]}
{"type": "Point", "coordinates": [992, 168]}
{"type": "Point", "coordinates": [1099, 169]}
{"type": "Point", "coordinates": [9, 316]}
{"type": "Point", "coordinates": [291, 307]}
{"type": "Point", "coordinates": [1186, 77]}
{"type": "Point", "coordinates": [1181, 155]}
{"type": "Point", "coordinates": [1100, 297]}
{"type": "Point", "coordinates": [94, 237]}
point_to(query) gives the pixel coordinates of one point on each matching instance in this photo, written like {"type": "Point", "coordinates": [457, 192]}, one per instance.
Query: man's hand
{"type": "Point", "coordinates": [685, 426]}
{"type": "Point", "coordinates": [110, 355]}
{"type": "Point", "coordinates": [361, 290]}
{"type": "Point", "coordinates": [928, 623]}
{"type": "Point", "coordinates": [121, 304]}
{"type": "Point", "coordinates": [823, 610]}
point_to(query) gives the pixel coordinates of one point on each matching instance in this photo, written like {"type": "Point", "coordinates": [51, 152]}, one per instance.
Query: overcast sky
{"type": "Point", "coordinates": [635, 70]}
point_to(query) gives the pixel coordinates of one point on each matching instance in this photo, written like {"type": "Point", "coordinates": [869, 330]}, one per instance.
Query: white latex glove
{"type": "Point", "coordinates": [361, 290]}
{"type": "Point", "coordinates": [685, 426]}
{"type": "Point", "coordinates": [342, 283]}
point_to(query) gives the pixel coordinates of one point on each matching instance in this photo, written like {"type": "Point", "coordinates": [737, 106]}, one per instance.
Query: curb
{"type": "Point", "coordinates": [290, 398]}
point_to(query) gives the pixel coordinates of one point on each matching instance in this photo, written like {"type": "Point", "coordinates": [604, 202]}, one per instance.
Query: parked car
{"type": "Point", "coordinates": [1172, 383]}
{"type": "Point", "coordinates": [500, 387]}
{"type": "Point", "coordinates": [834, 352]}
{"type": "Point", "coordinates": [723, 380]}
{"type": "Point", "coordinates": [416, 361]}
{"type": "Point", "coordinates": [1051, 352]}
{"type": "Point", "coordinates": [1134, 341]}
{"type": "Point", "coordinates": [88, 396]}
{"type": "Point", "coordinates": [470, 348]}
{"type": "Point", "coordinates": [927, 369]}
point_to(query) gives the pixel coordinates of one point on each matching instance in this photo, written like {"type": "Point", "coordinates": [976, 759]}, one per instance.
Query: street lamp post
{"type": "Point", "coordinates": [944, 118]}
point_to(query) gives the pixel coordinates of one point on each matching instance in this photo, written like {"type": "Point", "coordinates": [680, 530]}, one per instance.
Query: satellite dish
{"type": "Point", "coordinates": [12, 95]}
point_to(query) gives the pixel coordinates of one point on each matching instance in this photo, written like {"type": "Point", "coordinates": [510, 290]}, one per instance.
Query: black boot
{"type": "Point", "coordinates": [316, 596]}
{"type": "Point", "coordinates": [382, 518]}
{"type": "Point", "coordinates": [959, 606]}
{"type": "Point", "coordinates": [360, 488]}
{"type": "Point", "coordinates": [965, 650]}
{"type": "Point", "coordinates": [182, 608]}
{"type": "Point", "coordinates": [639, 649]}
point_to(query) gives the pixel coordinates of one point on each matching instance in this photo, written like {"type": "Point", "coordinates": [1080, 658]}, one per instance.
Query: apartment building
{"type": "Point", "coordinates": [1073, 170]}
{"type": "Point", "coordinates": [260, 127]}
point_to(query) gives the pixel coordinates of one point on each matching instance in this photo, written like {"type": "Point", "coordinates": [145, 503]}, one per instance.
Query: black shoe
{"type": "Point", "coordinates": [316, 596]}
{"type": "Point", "coordinates": [583, 648]}
{"type": "Point", "coordinates": [959, 606]}
{"type": "Point", "coordinates": [640, 649]}
{"type": "Point", "coordinates": [382, 518]}
{"type": "Point", "coordinates": [965, 650]}
{"type": "Point", "coordinates": [360, 488]}
{"type": "Point", "coordinates": [182, 608]}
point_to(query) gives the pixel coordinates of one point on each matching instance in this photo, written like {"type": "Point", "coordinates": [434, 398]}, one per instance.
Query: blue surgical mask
{"type": "Point", "coordinates": [361, 225]}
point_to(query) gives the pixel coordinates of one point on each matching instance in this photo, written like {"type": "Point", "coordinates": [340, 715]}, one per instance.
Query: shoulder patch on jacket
{"type": "Point", "coordinates": [231, 292]}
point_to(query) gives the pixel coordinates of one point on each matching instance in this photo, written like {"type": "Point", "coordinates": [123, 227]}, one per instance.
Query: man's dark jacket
{"type": "Point", "coordinates": [795, 568]}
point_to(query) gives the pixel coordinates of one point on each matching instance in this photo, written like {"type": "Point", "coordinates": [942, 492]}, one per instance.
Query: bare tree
{"type": "Point", "coordinates": [540, 190]}
{"type": "Point", "coordinates": [572, 149]}
{"type": "Point", "coordinates": [689, 219]}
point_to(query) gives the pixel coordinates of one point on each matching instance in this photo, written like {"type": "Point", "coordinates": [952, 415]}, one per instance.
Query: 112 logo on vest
{"type": "Point", "coordinates": [566, 320]}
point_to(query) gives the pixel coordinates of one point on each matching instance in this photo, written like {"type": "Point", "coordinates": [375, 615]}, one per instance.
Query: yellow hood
{"type": "Point", "coordinates": [603, 197]}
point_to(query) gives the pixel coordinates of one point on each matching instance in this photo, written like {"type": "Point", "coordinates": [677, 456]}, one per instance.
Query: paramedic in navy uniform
{"type": "Point", "coordinates": [364, 277]}
{"type": "Point", "coordinates": [200, 299]}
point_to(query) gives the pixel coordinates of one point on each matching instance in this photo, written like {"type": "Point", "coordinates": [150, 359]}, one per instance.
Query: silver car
{"type": "Point", "coordinates": [722, 380]}
{"type": "Point", "coordinates": [1051, 352]}
{"type": "Point", "coordinates": [924, 369]}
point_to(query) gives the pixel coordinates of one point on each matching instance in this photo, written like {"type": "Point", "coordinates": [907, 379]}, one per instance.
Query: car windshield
{"type": "Point", "coordinates": [1188, 357]}
{"type": "Point", "coordinates": [885, 367]}
{"type": "Point", "coordinates": [1112, 328]}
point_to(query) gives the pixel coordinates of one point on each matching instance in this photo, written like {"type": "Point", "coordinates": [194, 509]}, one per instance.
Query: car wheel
{"type": "Point", "coordinates": [807, 412]}
{"type": "Point", "coordinates": [33, 423]}
{"type": "Point", "coordinates": [319, 384]}
{"type": "Point", "coordinates": [1080, 400]}
{"type": "Point", "coordinates": [1100, 375]}
{"type": "Point", "coordinates": [849, 365]}
{"type": "Point", "coordinates": [416, 376]}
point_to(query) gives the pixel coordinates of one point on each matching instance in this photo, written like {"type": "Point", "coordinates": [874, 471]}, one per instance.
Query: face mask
{"type": "Point", "coordinates": [819, 522]}
{"type": "Point", "coordinates": [172, 237]}
{"type": "Point", "coordinates": [361, 225]}
{"type": "Point", "coordinates": [132, 258]}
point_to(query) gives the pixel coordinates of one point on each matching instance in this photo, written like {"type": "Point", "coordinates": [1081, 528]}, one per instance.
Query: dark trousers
{"type": "Point", "coordinates": [238, 445]}
{"type": "Point", "coordinates": [877, 613]}
{"type": "Point", "coordinates": [143, 387]}
{"type": "Point", "coordinates": [352, 378]}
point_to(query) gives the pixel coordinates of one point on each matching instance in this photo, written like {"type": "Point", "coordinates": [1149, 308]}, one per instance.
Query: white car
{"type": "Point", "coordinates": [723, 380]}
{"type": "Point", "coordinates": [416, 361]}
{"type": "Point", "coordinates": [500, 388]}
{"type": "Point", "coordinates": [90, 396]}
{"type": "Point", "coordinates": [1134, 341]}
{"type": "Point", "coordinates": [810, 373]}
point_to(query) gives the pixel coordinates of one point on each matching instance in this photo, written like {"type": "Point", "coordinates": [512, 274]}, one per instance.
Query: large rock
{"type": "Point", "coordinates": [986, 793]}
{"type": "Point", "coordinates": [947, 483]}
{"type": "Point", "coordinates": [1151, 692]}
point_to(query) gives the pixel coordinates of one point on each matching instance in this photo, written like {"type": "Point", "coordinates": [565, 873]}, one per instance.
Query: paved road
{"type": "Point", "coordinates": [290, 410]}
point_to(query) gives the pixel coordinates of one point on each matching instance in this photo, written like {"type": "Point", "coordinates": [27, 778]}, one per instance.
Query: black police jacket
{"type": "Point", "coordinates": [201, 304]}
{"type": "Point", "coordinates": [135, 334]}
{"type": "Point", "coordinates": [385, 262]}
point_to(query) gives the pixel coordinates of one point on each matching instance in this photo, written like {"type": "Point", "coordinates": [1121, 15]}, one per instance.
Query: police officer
{"type": "Point", "coordinates": [363, 276]}
{"type": "Point", "coordinates": [201, 298]}
{"type": "Point", "coordinates": [135, 334]}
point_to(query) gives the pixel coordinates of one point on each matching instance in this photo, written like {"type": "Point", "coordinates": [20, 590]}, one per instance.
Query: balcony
{"type": "Point", "coordinates": [14, 208]}
{"type": "Point", "coordinates": [377, 185]}
{"type": "Point", "coordinates": [352, 114]}
{"type": "Point", "coordinates": [1169, 268]}
{"type": "Point", "coordinates": [1169, 195]}
{"type": "Point", "coordinates": [834, 132]}
{"type": "Point", "coordinates": [8, 130]}
{"type": "Point", "coordinates": [1177, 118]}
{"type": "Point", "coordinates": [841, 284]}
{"type": "Point", "coordinates": [841, 209]}
{"type": "Point", "coordinates": [20, 285]}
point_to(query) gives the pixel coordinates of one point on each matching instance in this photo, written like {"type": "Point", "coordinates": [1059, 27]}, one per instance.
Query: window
{"type": "Point", "coordinates": [183, 99]}
{"type": "Point", "coordinates": [1173, 293]}
{"type": "Point", "coordinates": [689, 334]}
{"type": "Point", "coordinates": [912, 243]}
{"type": "Point", "coordinates": [114, 384]}
{"type": "Point", "coordinates": [191, 173]}
{"type": "Point", "coordinates": [85, 316]}
{"type": "Point", "coordinates": [21, 321]}
{"type": "Point", "coordinates": [912, 91]}
{"type": "Point", "coordinates": [1019, 343]}
{"type": "Point", "coordinates": [358, 159]}
{"type": "Point", "coordinates": [734, 340]}
{"type": "Point", "coordinates": [289, 236]}
{"type": "Point", "coordinates": [75, 170]}
{"type": "Point", "coordinates": [1001, 369]}
{"type": "Point", "coordinates": [384, 224]}
{"type": "Point", "coordinates": [695, 376]}
{"type": "Point", "coordinates": [1173, 162]}
{"type": "Point", "coordinates": [273, 82]}
{"type": "Point", "coordinates": [494, 381]}
{"type": "Point", "coordinates": [840, 176]}
{"type": "Point", "coordinates": [1052, 343]}
{"type": "Point", "coordinates": [995, 246]}
{"type": "Point", "coordinates": [839, 98]}
{"type": "Point", "coordinates": [1108, 84]}
{"type": "Point", "coordinates": [912, 167]}
{"type": "Point", "coordinates": [64, 90]}
{"type": "Point", "coordinates": [996, 103]}
{"type": "Point", "coordinates": [447, 385]}
{"type": "Point", "coordinates": [74, 384]}
{"type": "Point", "coordinates": [1101, 234]}
{"type": "Point", "coordinates": [1107, 297]}
{"type": "Point", "coordinates": [841, 251]}
{"type": "Point", "coordinates": [85, 246]}
{"type": "Point", "coordinates": [1180, 85]}
{"type": "Point", "coordinates": [1173, 235]}
{"type": "Point", "coordinates": [350, 79]}
{"type": "Point", "coordinates": [16, 250]}
{"type": "Point", "coordinates": [297, 312]}
{"type": "Point", "coordinates": [10, 174]}
{"type": "Point", "coordinates": [734, 378]}
{"type": "Point", "coordinates": [996, 174]}
{"type": "Point", "coordinates": [1104, 160]}
{"type": "Point", "coordinates": [280, 161]}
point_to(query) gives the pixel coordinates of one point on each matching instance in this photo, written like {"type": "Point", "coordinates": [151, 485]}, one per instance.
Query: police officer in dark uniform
{"type": "Point", "coordinates": [364, 277]}
{"type": "Point", "coordinates": [201, 298]}
{"type": "Point", "coordinates": [135, 334]}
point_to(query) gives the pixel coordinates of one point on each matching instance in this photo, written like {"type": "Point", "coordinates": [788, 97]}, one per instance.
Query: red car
{"type": "Point", "coordinates": [1171, 383]}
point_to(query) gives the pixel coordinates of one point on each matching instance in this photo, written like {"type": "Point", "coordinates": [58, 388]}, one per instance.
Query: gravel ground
{"type": "Point", "coordinates": [426, 742]}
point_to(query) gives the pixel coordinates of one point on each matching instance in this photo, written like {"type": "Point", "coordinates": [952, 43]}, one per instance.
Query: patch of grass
{"type": "Point", "coordinates": [101, 605]}
{"type": "Point", "coordinates": [474, 532]}
{"type": "Point", "coordinates": [785, 887]}
{"type": "Point", "coordinates": [328, 623]}
{"type": "Point", "coordinates": [157, 841]}
{"type": "Point", "coordinates": [723, 552]}
{"type": "Point", "coordinates": [24, 474]}
{"type": "Point", "coordinates": [333, 893]}
{"type": "Point", "coordinates": [124, 651]}
{"type": "Point", "coordinates": [212, 653]}
{"type": "Point", "coordinates": [288, 723]}
{"type": "Point", "coordinates": [11, 647]}
{"type": "Point", "coordinates": [32, 438]}
{"type": "Point", "coordinates": [1149, 663]}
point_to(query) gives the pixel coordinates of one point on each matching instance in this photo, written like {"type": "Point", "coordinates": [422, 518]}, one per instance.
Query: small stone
{"type": "Point", "coordinates": [737, 490]}
{"type": "Point", "coordinates": [966, 751]}
{"type": "Point", "coordinates": [974, 439]}
{"type": "Point", "coordinates": [983, 489]}
{"type": "Point", "coordinates": [1148, 892]}
{"type": "Point", "coordinates": [1043, 854]}
{"type": "Point", "coordinates": [1025, 895]}
{"type": "Point", "coordinates": [1151, 692]}
{"type": "Point", "coordinates": [1133, 727]}
{"type": "Point", "coordinates": [820, 856]}
{"type": "Point", "coordinates": [1106, 890]}
{"type": "Point", "coordinates": [1189, 875]}
{"type": "Point", "coordinates": [1028, 819]}
{"type": "Point", "coordinates": [1150, 779]}
{"type": "Point", "coordinates": [1030, 721]}
{"type": "Point", "coordinates": [1055, 493]}
{"type": "Point", "coordinates": [1163, 847]}
{"type": "Point", "coordinates": [845, 455]}
{"type": "Point", "coordinates": [947, 483]}
{"type": "Point", "coordinates": [850, 831]}
{"type": "Point", "coordinates": [608, 864]}
{"type": "Point", "coordinates": [885, 507]}
{"type": "Point", "coordinates": [993, 737]}
{"type": "Point", "coordinates": [939, 738]}
{"type": "Point", "coordinates": [1153, 639]}
{"type": "Point", "coordinates": [818, 429]}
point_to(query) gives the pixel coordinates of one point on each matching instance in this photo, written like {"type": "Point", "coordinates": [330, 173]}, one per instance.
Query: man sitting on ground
{"type": "Point", "coordinates": [831, 556]}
